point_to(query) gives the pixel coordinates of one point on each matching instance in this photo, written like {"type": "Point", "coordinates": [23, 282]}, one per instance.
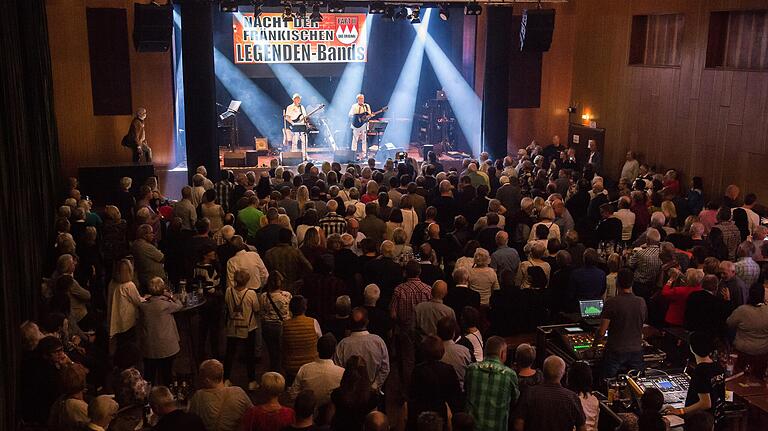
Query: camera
{"type": "Point", "coordinates": [400, 156]}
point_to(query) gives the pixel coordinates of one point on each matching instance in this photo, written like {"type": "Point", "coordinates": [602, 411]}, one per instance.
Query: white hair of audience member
{"type": "Point", "coordinates": [526, 204]}
{"type": "Point", "coordinates": [65, 264]}
{"type": "Point", "coordinates": [343, 305]}
{"type": "Point", "coordinates": [70, 202]}
{"type": "Point", "coordinates": [652, 235]}
{"type": "Point", "coordinates": [658, 218]}
{"type": "Point", "coordinates": [387, 249]}
{"type": "Point", "coordinates": [482, 257]}
{"type": "Point", "coordinates": [144, 229]}
{"type": "Point", "coordinates": [693, 276]}
{"type": "Point", "coordinates": [597, 179]}
{"type": "Point", "coordinates": [227, 232]}
{"type": "Point", "coordinates": [503, 180]}
{"type": "Point", "coordinates": [143, 213]}
{"type": "Point", "coordinates": [126, 182]}
{"type": "Point", "coordinates": [445, 186]}
{"type": "Point", "coordinates": [30, 335]}
{"type": "Point", "coordinates": [202, 171]}
{"type": "Point", "coordinates": [553, 368]}
{"type": "Point", "coordinates": [156, 286]}
{"type": "Point", "coordinates": [371, 294]}
{"type": "Point", "coordinates": [102, 409]}
{"type": "Point", "coordinates": [332, 205]}
{"type": "Point", "coordinates": [441, 176]}
{"type": "Point", "coordinates": [460, 275]}
{"type": "Point", "coordinates": [347, 240]}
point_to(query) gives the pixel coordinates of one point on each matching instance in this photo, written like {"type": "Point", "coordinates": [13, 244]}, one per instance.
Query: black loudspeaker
{"type": "Point", "coordinates": [425, 151]}
{"type": "Point", "coordinates": [344, 156]}
{"type": "Point", "coordinates": [152, 27]}
{"type": "Point", "coordinates": [251, 158]}
{"type": "Point", "coordinates": [536, 30]}
{"type": "Point", "coordinates": [291, 158]}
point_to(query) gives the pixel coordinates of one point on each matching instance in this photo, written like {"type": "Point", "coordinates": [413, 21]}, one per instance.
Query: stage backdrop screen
{"type": "Point", "coordinates": [338, 38]}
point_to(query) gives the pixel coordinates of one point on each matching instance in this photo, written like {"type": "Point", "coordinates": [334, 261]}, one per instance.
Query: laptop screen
{"type": "Point", "coordinates": [590, 309]}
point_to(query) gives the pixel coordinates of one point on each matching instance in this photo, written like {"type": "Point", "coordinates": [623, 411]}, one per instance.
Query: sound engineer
{"type": "Point", "coordinates": [623, 317]}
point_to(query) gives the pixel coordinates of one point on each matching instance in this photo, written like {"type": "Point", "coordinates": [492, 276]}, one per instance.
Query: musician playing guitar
{"type": "Point", "coordinates": [295, 113]}
{"type": "Point", "coordinates": [360, 113]}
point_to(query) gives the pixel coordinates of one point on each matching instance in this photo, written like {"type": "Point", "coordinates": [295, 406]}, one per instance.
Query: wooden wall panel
{"type": "Point", "coordinates": [710, 123]}
{"type": "Point", "coordinates": [85, 139]}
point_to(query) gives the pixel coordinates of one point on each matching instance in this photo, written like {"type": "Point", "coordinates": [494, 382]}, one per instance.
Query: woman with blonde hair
{"type": "Point", "coordinates": [614, 264]}
{"type": "Point", "coordinates": [546, 218]}
{"type": "Point", "coordinates": [670, 214]}
{"type": "Point", "coordinates": [371, 192]}
{"type": "Point", "coordinates": [302, 197]}
{"type": "Point", "coordinates": [123, 301]}
{"type": "Point", "coordinates": [271, 415]}
{"type": "Point", "coordinates": [483, 278]}
{"type": "Point", "coordinates": [70, 411]}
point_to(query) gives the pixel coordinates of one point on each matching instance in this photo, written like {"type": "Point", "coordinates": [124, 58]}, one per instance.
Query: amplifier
{"type": "Point", "coordinates": [261, 145]}
{"type": "Point", "coordinates": [291, 158]}
{"type": "Point", "coordinates": [673, 386]}
{"type": "Point", "coordinates": [251, 158]}
{"type": "Point", "coordinates": [234, 159]}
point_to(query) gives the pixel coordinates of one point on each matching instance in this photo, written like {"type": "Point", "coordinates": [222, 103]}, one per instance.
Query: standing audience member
{"type": "Point", "coordinates": [370, 348]}
{"type": "Point", "coordinates": [550, 406]}
{"type": "Point", "coordinates": [320, 376]}
{"type": "Point", "coordinates": [354, 398]}
{"type": "Point", "coordinates": [430, 312]}
{"type": "Point", "coordinates": [491, 387]}
{"type": "Point", "coordinates": [242, 308]}
{"type": "Point", "coordinates": [171, 417]}
{"type": "Point", "coordinates": [273, 303]}
{"type": "Point", "coordinates": [580, 381]}
{"type": "Point", "coordinates": [70, 411]}
{"type": "Point", "coordinates": [158, 336]}
{"type": "Point", "coordinates": [271, 415]}
{"type": "Point", "coordinates": [219, 406]}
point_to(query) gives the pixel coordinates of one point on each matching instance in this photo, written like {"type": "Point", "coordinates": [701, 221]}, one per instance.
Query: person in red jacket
{"type": "Point", "coordinates": [677, 293]}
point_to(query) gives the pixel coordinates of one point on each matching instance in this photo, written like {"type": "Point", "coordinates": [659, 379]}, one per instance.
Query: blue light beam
{"type": "Point", "coordinates": [402, 103]}
{"type": "Point", "coordinates": [465, 103]}
{"type": "Point", "coordinates": [264, 113]}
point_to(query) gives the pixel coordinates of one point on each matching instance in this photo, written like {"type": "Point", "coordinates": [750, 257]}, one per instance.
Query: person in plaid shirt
{"type": "Point", "coordinates": [491, 387]}
{"type": "Point", "coordinates": [225, 189]}
{"type": "Point", "coordinates": [745, 267]}
{"type": "Point", "coordinates": [731, 233]}
{"type": "Point", "coordinates": [646, 263]}
{"type": "Point", "coordinates": [333, 223]}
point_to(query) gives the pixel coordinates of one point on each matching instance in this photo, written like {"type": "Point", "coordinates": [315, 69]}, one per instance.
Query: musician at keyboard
{"type": "Point", "coordinates": [295, 113]}
{"type": "Point", "coordinates": [358, 114]}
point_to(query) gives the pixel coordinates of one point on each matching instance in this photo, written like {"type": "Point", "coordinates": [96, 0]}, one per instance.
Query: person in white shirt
{"type": "Point", "coordinates": [359, 133]}
{"type": "Point", "coordinates": [220, 407]}
{"type": "Point", "coordinates": [366, 345]}
{"type": "Point", "coordinates": [321, 376]}
{"type": "Point", "coordinates": [243, 311]}
{"type": "Point", "coordinates": [249, 261]}
{"type": "Point", "coordinates": [631, 168]}
{"type": "Point", "coordinates": [295, 113]}
{"type": "Point", "coordinates": [627, 218]}
{"type": "Point", "coordinates": [101, 411]}
{"type": "Point", "coordinates": [754, 219]}
{"type": "Point", "coordinates": [123, 302]}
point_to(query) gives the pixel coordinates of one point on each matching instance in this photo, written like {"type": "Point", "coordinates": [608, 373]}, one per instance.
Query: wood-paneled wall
{"type": "Point", "coordinates": [88, 140]}
{"type": "Point", "coordinates": [703, 122]}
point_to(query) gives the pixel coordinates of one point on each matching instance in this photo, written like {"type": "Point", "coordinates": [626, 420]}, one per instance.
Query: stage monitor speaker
{"type": "Point", "coordinates": [291, 158]}
{"type": "Point", "coordinates": [251, 158]}
{"type": "Point", "coordinates": [262, 146]}
{"type": "Point", "coordinates": [152, 27]}
{"type": "Point", "coordinates": [344, 156]}
{"type": "Point", "coordinates": [536, 30]}
{"type": "Point", "coordinates": [234, 160]}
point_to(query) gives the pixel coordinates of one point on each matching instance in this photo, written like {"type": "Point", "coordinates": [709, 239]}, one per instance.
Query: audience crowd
{"type": "Point", "coordinates": [357, 297]}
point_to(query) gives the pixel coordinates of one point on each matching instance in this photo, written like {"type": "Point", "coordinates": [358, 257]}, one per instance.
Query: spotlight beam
{"type": "Point", "coordinates": [465, 103]}
{"type": "Point", "coordinates": [402, 103]}
{"type": "Point", "coordinates": [264, 113]}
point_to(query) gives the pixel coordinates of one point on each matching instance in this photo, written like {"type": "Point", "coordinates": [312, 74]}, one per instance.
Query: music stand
{"type": "Point", "coordinates": [301, 129]}
{"type": "Point", "coordinates": [378, 127]}
{"type": "Point", "coordinates": [232, 110]}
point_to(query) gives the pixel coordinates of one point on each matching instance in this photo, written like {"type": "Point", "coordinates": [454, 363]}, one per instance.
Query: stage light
{"type": "Point", "coordinates": [256, 9]}
{"type": "Point", "coordinates": [377, 7]}
{"type": "Point", "coordinates": [336, 7]}
{"type": "Point", "coordinates": [227, 6]}
{"type": "Point", "coordinates": [315, 16]}
{"type": "Point", "coordinates": [444, 12]}
{"type": "Point", "coordinates": [414, 16]}
{"type": "Point", "coordinates": [302, 11]}
{"type": "Point", "coordinates": [402, 103]}
{"type": "Point", "coordinates": [287, 13]}
{"type": "Point", "coordinates": [402, 13]}
{"type": "Point", "coordinates": [473, 9]}
{"type": "Point", "coordinates": [389, 13]}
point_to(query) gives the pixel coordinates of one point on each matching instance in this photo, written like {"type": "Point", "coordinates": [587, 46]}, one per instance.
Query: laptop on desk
{"type": "Point", "coordinates": [590, 311]}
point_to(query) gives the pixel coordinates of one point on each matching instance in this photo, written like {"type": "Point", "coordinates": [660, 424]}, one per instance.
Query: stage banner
{"type": "Point", "coordinates": [338, 38]}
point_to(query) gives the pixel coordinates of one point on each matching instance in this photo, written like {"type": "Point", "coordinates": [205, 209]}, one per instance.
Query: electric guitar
{"type": "Point", "coordinates": [302, 117]}
{"type": "Point", "coordinates": [359, 120]}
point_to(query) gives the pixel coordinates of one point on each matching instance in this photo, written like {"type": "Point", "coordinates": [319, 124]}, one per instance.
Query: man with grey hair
{"type": "Point", "coordinates": [385, 272]}
{"type": "Point", "coordinates": [428, 313]}
{"type": "Point", "coordinates": [148, 259]}
{"type": "Point", "coordinates": [550, 406]}
{"type": "Point", "coordinates": [172, 418]}
{"type": "Point", "coordinates": [185, 209]}
{"type": "Point", "coordinates": [220, 407]}
{"type": "Point", "coordinates": [745, 266]}
{"type": "Point", "coordinates": [198, 190]}
{"type": "Point", "coordinates": [101, 411]}
{"type": "Point", "coordinates": [332, 222]}
{"type": "Point", "coordinates": [646, 263]}
{"type": "Point", "coordinates": [738, 289]}
{"type": "Point", "coordinates": [207, 184]}
{"type": "Point", "coordinates": [379, 322]}
{"type": "Point", "coordinates": [505, 258]}
{"type": "Point", "coordinates": [136, 138]}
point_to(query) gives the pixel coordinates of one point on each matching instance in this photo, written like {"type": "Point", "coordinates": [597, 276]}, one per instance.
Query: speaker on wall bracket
{"type": "Point", "coordinates": [152, 27]}
{"type": "Point", "coordinates": [536, 30]}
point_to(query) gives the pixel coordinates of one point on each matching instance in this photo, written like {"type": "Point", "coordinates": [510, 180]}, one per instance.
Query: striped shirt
{"type": "Point", "coordinates": [646, 263]}
{"type": "Point", "coordinates": [333, 223]}
{"type": "Point", "coordinates": [491, 388]}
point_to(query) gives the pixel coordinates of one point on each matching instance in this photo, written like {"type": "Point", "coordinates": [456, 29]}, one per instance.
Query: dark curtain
{"type": "Point", "coordinates": [29, 176]}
